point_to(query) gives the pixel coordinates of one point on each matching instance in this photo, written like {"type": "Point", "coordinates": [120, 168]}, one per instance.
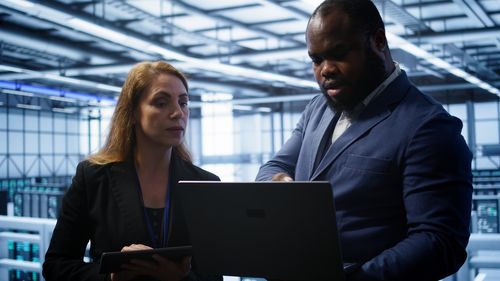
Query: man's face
{"type": "Point", "coordinates": [345, 63]}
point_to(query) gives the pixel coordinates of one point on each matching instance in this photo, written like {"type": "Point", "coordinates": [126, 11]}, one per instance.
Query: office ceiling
{"type": "Point", "coordinates": [252, 49]}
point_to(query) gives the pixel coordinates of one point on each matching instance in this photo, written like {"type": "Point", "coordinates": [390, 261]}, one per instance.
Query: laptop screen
{"type": "Point", "coordinates": [273, 230]}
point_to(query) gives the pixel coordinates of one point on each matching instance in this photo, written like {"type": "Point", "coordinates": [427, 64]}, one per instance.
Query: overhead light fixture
{"type": "Point", "coordinates": [413, 49]}
{"type": "Point", "coordinates": [216, 97]}
{"type": "Point", "coordinates": [67, 110]}
{"type": "Point", "coordinates": [251, 108]}
{"type": "Point", "coordinates": [264, 109]}
{"type": "Point", "coordinates": [11, 68]}
{"type": "Point", "coordinates": [63, 99]}
{"type": "Point", "coordinates": [33, 90]}
{"type": "Point", "coordinates": [22, 3]}
{"type": "Point", "coordinates": [17, 93]}
{"type": "Point", "coordinates": [64, 79]}
{"type": "Point", "coordinates": [29, 106]}
{"type": "Point", "coordinates": [144, 45]}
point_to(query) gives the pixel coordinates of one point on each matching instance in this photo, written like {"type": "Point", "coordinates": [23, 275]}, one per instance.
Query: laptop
{"type": "Point", "coordinates": [272, 230]}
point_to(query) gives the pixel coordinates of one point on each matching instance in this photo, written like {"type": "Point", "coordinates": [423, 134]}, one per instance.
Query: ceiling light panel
{"type": "Point", "coordinates": [287, 27]}
{"type": "Point", "coordinates": [157, 8]}
{"type": "Point", "coordinates": [265, 13]}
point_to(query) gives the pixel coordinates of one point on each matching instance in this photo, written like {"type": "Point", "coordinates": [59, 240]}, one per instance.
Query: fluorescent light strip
{"type": "Point", "coordinates": [11, 68]}
{"type": "Point", "coordinates": [18, 93]}
{"type": "Point", "coordinates": [64, 79]}
{"type": "Point", "coordinates": [250, 108]}
{"type": "Point", "coordinates": [22, 3]}
{"type": "Point", "coordinates": [64, 99]}
{"type": "Point", "coordinates": [30, 90]}
{"type": "Point", "coordinates": [29, 106]}
{"type": "Point", "coordinates": [69, 110]}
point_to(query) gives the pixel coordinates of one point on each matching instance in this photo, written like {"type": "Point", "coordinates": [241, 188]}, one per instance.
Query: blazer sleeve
{"type": "Point", "coordinates": [285, 160]}
{"type": "Point", "coordinates": [437, 194]}
{"type": "Point", "coordinates": [64, 257]}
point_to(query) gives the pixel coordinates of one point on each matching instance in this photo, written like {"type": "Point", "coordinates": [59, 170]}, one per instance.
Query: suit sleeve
{"type": "Point", "coordinates": [64, 257]}
{"type": "Point", "coordinates": [285, 160]}
{"type": "Point", "coordinates": [437, 192]}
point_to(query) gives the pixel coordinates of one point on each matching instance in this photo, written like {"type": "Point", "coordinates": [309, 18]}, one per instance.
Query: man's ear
{"type": "Point", "coordinates": [379, 41]}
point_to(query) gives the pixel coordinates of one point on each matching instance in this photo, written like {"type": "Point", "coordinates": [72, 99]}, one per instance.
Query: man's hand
{"type": "Point", "coordinates": [282, 177]}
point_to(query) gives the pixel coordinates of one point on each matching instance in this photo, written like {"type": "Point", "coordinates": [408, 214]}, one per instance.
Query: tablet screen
{"type": "Point", "coordinates": [112, 261]}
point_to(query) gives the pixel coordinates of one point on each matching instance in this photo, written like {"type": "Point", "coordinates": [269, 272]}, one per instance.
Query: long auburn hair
{"type": "Point", "coordinates": [121, 138]}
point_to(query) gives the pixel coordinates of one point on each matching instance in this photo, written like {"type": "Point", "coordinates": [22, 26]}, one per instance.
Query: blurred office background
{"type": "Point", "coordinates": [62, 63]}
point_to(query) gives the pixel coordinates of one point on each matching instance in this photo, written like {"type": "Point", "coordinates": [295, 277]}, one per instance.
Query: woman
{"type": "Point", "coordinates": [124, 197]}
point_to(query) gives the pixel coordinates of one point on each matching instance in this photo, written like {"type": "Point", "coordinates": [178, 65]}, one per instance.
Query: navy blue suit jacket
{"type": "Point", "coordinates": [401, 180]}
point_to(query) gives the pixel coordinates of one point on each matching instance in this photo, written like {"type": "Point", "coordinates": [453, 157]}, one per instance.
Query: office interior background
{"type": "Point", "coordinates": [62, 64]}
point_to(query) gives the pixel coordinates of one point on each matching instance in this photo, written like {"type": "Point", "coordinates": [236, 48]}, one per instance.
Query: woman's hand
{"type": "Point", "coordinates": [160, 268]}
{"type": "Point", "coordinates": [127, 275]}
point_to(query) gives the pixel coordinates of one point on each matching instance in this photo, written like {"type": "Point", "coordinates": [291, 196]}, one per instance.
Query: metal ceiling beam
{"type": "Point", "coordinates": [177, 30]}
{"type": "Point", "coordinates": [141, 42]}
{"type": "Point", "coordinates": [304, 97]}
{"type": "Point", "coordinates": [232, 8]}
{"type": "Point", "coordinates": [176, 15]}
{"type": "Point", "coordinates": [269, 22]}
{"type": "Point", "coordinates": [296, 13]}
{"type": "Point", "coordinates": [226, 20]}
{"type": "Point", "coordinates": [455, 36]}
{"type": "Point", "coordinates": [39, 42]}
{"type": "Point", "coordinates": [401, 16]}
{"type": "Point", "coordinates": [265, 55]}
{"type": "Point", "coordinates": [419, 4]}
{"type": "Point", "coordinates": [209, 86]}
{"type": "Point", "coordinates": [475, 12]}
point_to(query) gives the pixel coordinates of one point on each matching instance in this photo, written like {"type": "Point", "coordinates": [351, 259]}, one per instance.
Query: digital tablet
{"type": "Point", "coordinates": [112, 261]}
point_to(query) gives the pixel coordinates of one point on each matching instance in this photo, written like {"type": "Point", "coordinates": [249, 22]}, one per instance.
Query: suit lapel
{"type": "Point", "coordinates": [319, 135]}
{"type": "Point", "coordinates": [353, 133]}
{"type": "Point", "coordinates": [374, 113]}
{"type": "Point", "coordinates": [124, 185]}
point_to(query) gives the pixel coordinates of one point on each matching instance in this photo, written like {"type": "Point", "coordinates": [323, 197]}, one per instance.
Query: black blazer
{"type": "Point", "coordinates": [103, 206]}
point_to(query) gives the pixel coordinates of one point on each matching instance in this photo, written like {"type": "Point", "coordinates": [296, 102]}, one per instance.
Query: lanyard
{"type": "Point", "coordinates": [165, 222]}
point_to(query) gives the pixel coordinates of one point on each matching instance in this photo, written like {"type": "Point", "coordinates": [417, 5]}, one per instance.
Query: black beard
{"type": "Point", "coordinates": [374, 73]}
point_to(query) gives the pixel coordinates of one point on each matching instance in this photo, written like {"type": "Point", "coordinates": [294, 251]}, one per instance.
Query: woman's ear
{"type": "Point", "coordinates": [134, 117]}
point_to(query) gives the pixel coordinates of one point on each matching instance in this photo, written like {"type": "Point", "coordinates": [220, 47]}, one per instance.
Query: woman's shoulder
{"type": "Point", "coordinates": [91, 170]}
{"type": "Point", "coordinates": [206, 175]}
{"type": "Point", "coordinates": [189, 171]}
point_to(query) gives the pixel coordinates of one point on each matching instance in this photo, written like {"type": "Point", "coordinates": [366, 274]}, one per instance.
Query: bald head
{"type": "Point", "coordinates": [347, 45]}
{"type": "Point", "coordinates": [363, 15]}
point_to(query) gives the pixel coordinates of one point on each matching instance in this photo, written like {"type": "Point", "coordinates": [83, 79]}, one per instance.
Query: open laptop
{"type": "Point", "coordinates": [273, 230]}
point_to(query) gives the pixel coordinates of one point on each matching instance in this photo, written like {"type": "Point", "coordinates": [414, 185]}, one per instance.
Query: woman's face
{"type": "Point", "coordinates": [162, 113]}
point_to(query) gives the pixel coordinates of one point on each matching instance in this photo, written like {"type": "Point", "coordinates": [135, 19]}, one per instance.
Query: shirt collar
{"type": "Point", "coordinates": [395, 73]}
{"type": "Point", "coordinates": [359, 108]}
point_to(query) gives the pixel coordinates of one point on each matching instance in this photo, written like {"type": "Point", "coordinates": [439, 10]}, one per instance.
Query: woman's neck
{"type": "Point", "coordinates": [152, 168]}
{"type": "Point", "coordinates": [152, 161]}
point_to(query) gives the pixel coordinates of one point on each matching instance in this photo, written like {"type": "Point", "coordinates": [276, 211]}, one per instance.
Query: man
{"type": "Point", "coordinates": [398, 166]}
